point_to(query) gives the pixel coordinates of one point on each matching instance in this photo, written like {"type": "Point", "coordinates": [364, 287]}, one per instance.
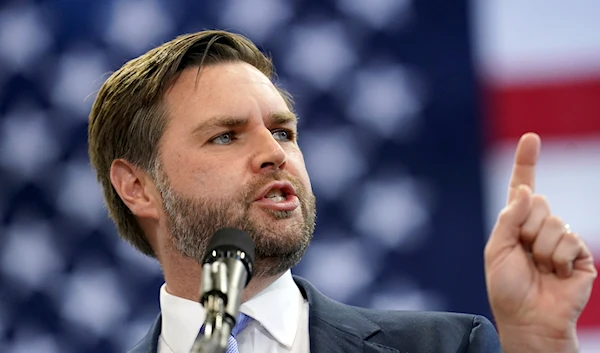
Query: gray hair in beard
{"type": "Point", "coordinates": [191, 222]}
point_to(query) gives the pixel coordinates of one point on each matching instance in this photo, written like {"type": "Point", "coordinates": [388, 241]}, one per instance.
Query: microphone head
{"type": "Point", "coordinates": [231, 241]}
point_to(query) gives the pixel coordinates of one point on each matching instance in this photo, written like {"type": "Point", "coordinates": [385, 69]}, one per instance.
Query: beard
{"type": "Point", "coordinates": [192, 221]}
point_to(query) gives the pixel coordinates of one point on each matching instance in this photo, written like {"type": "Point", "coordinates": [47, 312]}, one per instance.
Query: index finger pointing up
{"type": "Point", "coordinates": [526, 157]}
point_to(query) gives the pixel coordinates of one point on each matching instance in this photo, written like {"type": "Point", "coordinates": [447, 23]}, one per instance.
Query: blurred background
{"type": "Point", "coordinates": [410, 112]}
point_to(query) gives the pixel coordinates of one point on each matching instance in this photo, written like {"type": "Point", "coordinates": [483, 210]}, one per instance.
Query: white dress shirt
{"type": "Point", "coordinates": [280, 322]}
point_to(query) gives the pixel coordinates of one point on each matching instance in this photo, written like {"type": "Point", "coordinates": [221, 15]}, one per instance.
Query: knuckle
{"type": "Point", "coordinates": [487, 251]}
{"type": "Point", "coordinates": [572, 238]}
{"type": "Point", "coordinates": [540, 253]}
{"type": "Point", "coordinates": [530, 227]}
{"type": "Point", "coordinates": [560, 259]}
{"type": "Point", "coordinates": [540, 201]}
{"type": "Point", "coordinates": [504, 215]}
{"type": "Point", "coordinates": [555, 221]}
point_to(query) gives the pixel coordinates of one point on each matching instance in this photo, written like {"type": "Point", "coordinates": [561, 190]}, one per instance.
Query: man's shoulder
{"type": "Point", "coordinates": [414, 331]}
{"type": "Point", "coordinates": [407, 319]}
{"type": "Point", "coordinates": [396, 320]}
{"type": "Point", "coordinates": [433, 331]}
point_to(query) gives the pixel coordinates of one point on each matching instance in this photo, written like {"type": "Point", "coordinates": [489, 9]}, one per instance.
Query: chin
{"type": "Point", "coordinates": [275, 260]}
{"type": "Point", "coordinates": [279, 231]}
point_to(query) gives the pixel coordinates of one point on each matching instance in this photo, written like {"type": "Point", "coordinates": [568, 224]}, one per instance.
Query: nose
{"type": "Point", "coordinates": [269, 153]}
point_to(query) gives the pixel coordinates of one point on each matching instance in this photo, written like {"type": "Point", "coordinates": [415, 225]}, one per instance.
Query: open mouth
{"type": "Point", "coordinates": [277, 191]}
{"type": "Point", "coordinates": [279, 195]}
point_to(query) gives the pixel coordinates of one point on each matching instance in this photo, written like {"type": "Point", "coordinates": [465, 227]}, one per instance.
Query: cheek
{"type": "Point", "coordinates": [194, 176]}
{"type": "Point", "coordinates": [296, 160]}
{"type": "Point", "coordinates": [223, 178]}
{"type": "Point", "coordinates": [216, 179]}
{"type": "Point", "coordinates": [195, 173]}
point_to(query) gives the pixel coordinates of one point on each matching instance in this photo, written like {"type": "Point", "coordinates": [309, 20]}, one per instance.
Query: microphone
{"type": "Point", "coordinates": [227, 268]}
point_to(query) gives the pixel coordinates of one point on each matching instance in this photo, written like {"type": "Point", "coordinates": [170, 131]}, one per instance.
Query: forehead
{"type": "Point", "coordinates": [227, 88]}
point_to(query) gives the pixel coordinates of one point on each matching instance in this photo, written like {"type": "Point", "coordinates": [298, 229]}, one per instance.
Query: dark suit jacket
{"type": "Point", "coordinates": [338, 328]}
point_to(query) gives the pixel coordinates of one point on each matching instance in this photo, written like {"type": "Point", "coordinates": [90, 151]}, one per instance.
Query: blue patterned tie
{"type": "Point", "coordinates": [241, 323]}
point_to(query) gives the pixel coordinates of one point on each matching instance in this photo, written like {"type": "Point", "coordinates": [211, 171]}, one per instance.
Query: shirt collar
{"type": "Point", "coordinates": [181, 320]}
{"type": "Point", "coordinates": [277, 308]}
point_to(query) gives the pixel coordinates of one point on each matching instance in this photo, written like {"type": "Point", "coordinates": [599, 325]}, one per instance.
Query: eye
{"type": "Point", "coordinates": [224, 139]}
{"type": "Point", "coordinates": [283, 135]}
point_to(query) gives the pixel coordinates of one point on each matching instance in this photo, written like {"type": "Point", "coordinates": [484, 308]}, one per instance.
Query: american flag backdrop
{"type": "Point", "coordinates": [539, 64]}
{"type": "Point", "coordinates": [409, 114]}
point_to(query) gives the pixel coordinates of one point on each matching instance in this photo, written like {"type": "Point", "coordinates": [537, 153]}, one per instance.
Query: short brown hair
{"type": "Point", "coordinates": [128, 117]}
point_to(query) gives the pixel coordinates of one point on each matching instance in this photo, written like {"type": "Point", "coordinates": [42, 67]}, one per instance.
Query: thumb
{"type": "Point", "coordinates": [508, 227]}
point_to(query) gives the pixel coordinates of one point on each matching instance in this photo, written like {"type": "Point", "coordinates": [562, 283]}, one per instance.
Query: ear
{"type": "Point", "coordinates": [136, 189]}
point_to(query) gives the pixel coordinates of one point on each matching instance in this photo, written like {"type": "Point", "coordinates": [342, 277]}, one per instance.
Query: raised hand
{"type": "Point", "coordinates": [539, 274]}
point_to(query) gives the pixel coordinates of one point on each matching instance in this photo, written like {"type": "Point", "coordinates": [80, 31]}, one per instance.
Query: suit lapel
{"type": "Point", "coordinates": [149, 344]}
{"type": "Point", "coordinates": [337, 328]}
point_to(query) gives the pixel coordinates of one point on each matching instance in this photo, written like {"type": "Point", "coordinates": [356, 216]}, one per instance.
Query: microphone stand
{"type": "Point", "coordinates": [217, 329]}
{"type": "Point", "coordinates": [221, 297]}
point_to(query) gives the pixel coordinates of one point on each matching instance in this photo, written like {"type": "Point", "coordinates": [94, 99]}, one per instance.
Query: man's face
{"type": "Point", "coordinates": [229, 158]}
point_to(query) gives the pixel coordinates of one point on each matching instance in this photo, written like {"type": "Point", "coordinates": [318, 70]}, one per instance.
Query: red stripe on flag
{"type": "Point", "coordinates": [590, 317]}
{"type": "Point", "coordinates": [561, 109]}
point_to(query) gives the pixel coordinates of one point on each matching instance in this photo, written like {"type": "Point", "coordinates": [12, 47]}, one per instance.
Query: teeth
{"type": "Point", "coordinates": [277, 198]}
{"type": "Point", "coordinates": [274, 193]}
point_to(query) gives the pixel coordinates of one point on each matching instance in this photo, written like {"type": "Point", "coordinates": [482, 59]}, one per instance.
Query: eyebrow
{"type": "Point", "coordinates": [280, 118]}
{"type": "Point", "coordinates": [231, 122]}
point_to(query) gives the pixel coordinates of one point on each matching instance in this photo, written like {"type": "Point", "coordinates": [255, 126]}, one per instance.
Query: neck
{"type": "Point", "coordinates": [182, 278]}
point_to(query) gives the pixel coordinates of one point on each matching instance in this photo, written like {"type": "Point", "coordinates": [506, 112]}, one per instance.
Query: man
{"type": "Point", "coordinates": [193, 136]}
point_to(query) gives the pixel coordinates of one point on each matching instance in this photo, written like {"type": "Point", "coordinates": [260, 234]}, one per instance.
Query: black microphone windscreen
{"type": "Point", "coordinates": [231, 239]}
